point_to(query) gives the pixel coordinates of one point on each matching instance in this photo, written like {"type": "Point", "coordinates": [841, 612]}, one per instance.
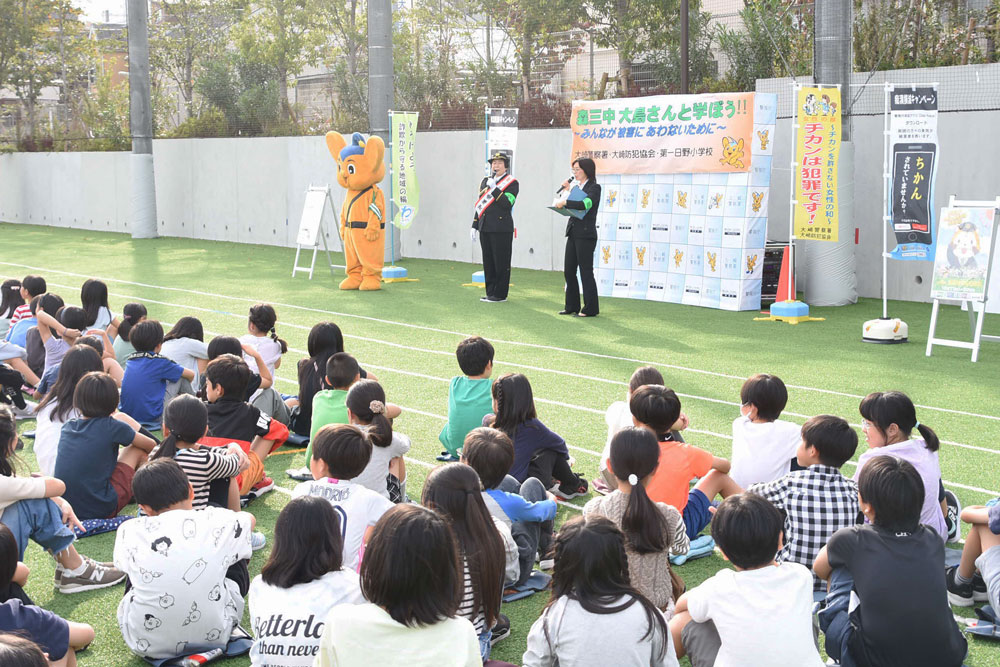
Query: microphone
{"type": "Point", "coordinates": [561, 188]}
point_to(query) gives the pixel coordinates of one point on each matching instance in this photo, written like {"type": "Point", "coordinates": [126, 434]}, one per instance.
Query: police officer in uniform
{"type": "Point", "coordinates": [493, 224]}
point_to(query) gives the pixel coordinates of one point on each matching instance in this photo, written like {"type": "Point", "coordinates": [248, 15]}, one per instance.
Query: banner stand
{"type": "Point", "coordinates": [977, 309]}
{"type": "Point", "coordinates": [393, 273]}
{"type": "Point", "coordinates": [311, 226]}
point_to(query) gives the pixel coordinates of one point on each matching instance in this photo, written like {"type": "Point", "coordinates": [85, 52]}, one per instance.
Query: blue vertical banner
{"type": "Point", "coordinates": [913, 142]}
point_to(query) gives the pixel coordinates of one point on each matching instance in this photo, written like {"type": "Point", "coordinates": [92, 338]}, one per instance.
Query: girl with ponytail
{"type": "Point", "coordinates": [132, 314]}
{"type": "Point", "coordinates": [212, 471]}
{"type": "Point", "coordinates": [453, 491]}
{"type": "Point", "coordinates": [888, 422]}
{"type": "Point", "coordinates": [262, 336]}
{"type": "Point", "coordinates": [385, 473]}
{"type": "Point", "coordinates": [652, 530]}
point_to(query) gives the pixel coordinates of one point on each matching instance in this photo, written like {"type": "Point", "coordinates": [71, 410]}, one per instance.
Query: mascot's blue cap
{"type": "Point", "coordinates": [356, 147]}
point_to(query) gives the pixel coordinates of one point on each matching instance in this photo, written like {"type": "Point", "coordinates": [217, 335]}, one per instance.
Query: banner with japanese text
{"type": "Point", "coordinates": [913, 138]}
{"type": "Point", "coordinates": [501, 135]}
{"type": "Point", "coordinates": [665, 134]}
{"type": "Point", "coordinates": [962, 257]}
{"type": "Point", "coordinates": [404, 189]}
{"type": "Point", "coordinates": [817, 154]}
{"type": "Point", "coordinates": [692, 238]}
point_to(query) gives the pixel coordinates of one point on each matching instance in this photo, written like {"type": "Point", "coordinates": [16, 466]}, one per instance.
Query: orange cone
{"type": "Point", "coordinates": [784, 277]}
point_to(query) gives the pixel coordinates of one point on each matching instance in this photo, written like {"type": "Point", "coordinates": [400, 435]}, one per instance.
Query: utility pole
{"type": "Point", "coordinates": [685, 36]}
{"type": "Point", "coordinates": [381, 86]}
{"type": "Point", "coordinates": [142, 211]}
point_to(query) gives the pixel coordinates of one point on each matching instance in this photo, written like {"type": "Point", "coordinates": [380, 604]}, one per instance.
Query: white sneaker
{"type": "Point", "coordinates": [300, 474]}
{"type": "Point", "coordinates": [27, 412]}
{"type": "Point", "coordinates": [257, 540]}
{"type": "Point", "coordinates": [546, 563]}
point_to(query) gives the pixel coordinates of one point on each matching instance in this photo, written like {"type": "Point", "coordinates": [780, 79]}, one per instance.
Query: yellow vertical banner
{"type": "Point", "coordinates": [817, 154]}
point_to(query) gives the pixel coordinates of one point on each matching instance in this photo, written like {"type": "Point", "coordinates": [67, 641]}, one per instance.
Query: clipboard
{"type": "Point", "coordinates": [576, 194]}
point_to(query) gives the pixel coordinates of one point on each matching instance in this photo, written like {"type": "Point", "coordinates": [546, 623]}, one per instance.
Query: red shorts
{"type": "Point", "coordinates": [121, 482]}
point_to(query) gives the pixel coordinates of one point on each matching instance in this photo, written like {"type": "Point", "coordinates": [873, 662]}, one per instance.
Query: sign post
{"type": "Point", "coordinates": [311, 228]}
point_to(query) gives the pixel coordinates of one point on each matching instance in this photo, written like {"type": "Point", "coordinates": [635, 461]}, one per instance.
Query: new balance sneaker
{"type": "Point", "coordinates": [952, 518]}
{"type": "Point", "coordinates": [501, 630]}
{"type": "Point", "coordinates": [257, 540]}
{"type": "Point", "coordinates": [570, 491]}
{"type": "Point", "coordinates": [960, 595]}
{"type": "Point", "coordinates": [94, 576]}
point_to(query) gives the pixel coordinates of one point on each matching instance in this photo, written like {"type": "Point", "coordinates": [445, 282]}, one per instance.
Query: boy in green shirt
{"type": "Point", "coordinates": [469, 396]}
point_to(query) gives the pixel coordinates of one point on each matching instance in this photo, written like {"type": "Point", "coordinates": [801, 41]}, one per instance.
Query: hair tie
{"type": "Point", "coordinates": [917, 426]}
{"type": "Point", "coordinates": [633, 480]}
{"type": "Point", "coordinates": [377, 407]}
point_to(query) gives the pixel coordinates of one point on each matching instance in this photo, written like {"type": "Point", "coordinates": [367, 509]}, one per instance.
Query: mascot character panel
{"type": "Point", "coordinates": [362, 217]}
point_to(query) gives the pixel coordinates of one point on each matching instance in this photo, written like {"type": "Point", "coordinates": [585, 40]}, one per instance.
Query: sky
{"type": "Point", "coordinates": [93, 10]}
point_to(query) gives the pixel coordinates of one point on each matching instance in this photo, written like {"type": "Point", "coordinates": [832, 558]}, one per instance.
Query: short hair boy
{"type": "Point", "coordinates": [658, 408]}
{"type": "Point", "coordinates": [340, 453]}
{"type": "Point", "coordinates": [892, 568]}
{"type": "Point", "coordinates": [187, 567]}
{"type": "Point", "coordinates": [144, 386]}
{"type": "Point", "coordinates": [469, 395]}
{"type": "Point", "coordinates": [525, 508]}
{"type": "Point", "coordinates": [758, 609]}
{"type": "Point", "coordinates": [31, 287]}
{"type": "Point", "coordinates": [231, 419]}
{"type": "Point", "coordinates": [818, 500]}
{"type": "Point", "coordinates": [763, 446]}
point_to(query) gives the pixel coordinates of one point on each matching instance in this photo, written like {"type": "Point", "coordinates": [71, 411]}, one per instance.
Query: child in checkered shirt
{"type": "Point", "coordinates": [817, 501]}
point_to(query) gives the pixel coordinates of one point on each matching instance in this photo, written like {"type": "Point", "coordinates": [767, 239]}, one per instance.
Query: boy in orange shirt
{"type": "Point", "coordinates": [657, 408]}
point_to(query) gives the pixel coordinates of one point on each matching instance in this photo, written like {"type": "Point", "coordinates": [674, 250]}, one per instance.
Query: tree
{"type": "Point", "coordinates": [345, 55]}
{"type": "Point", "coordinates": [633, 28]}
{"type": "Point", "coordinates": [34, 64]}
{"type": "Point", "coordinates": [246, 92]}
{"type": "Point", "coordinates": [775, 36]}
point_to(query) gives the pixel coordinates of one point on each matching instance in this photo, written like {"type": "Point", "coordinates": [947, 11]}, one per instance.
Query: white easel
{"type": "Point", "coordinates": [311, 228]}
{"type": "Point", "coordinates": [977, 308]}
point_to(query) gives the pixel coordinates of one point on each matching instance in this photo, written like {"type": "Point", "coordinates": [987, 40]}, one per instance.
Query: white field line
{"type": "Point", "coordinates": [498, 362]}
{"type": "Point", "coordinates": [505, 342]}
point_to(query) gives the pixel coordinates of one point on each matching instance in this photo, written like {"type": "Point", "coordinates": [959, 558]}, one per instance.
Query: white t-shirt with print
{"type": "Point", "coordinates": [48, 430]}
{"type": "Point", "coordinates": [764, 616]}
{"type": "Point", "coordinates": [763, 452]}
{"type": "Point", "coordinates": [186, 352]}
{"type": "Point", "coordinates": [288, 622]}
{"type": "Point", "coordinates": [373, 476]}
{"type": "Point", "coordinates": [181, 601]}
{"type": "Point", "coordinates": [358, 508]}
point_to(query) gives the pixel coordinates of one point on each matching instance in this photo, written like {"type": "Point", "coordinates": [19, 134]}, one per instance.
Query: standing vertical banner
{"type": "Point", "coordinates": [817, 153]}
{"type": "Point", "coordinates": [404, 191]}
{"type": "Point", "coordinates": [501, 134]}
{"type": "Point", "coordinates": [913, 116]}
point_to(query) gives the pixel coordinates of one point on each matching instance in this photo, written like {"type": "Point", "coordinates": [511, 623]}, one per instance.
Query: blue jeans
{"type": "Point", "coordinates": [484, 644]}
{"type": "Point", "coordinates": [531, 536]}
{"type": "Point", "coordinates": [38, 519]}
{"type": "Point", "coordinates": [834, 620]}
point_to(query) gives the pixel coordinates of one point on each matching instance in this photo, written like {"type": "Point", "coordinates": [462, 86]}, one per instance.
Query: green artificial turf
{"type": "Point", "coordinates": [406, 335]}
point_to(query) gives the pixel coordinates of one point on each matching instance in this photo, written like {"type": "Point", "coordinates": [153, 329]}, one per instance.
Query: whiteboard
{"type": "Point", "coordinates": [312, 218]}
{"type": "Point", "coordinates": [993, 288]}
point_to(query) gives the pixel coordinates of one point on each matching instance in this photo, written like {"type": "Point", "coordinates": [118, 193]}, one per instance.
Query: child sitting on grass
{"type": "Point", "coordinates": [132, 314]}
{"type": "Point", "coordinates": [144, 386]}
{"type": "Point", "coordinates": [10, 301]}
{"type": "Point", "coordinates": [301, 582]}
{"type": "Point", "coordinates": [18, 333]}
{"type": "Point", "coordinates": [595, 616]}
{"type": "Point", "coordinates": [763, 446]}
{"type": "Point", "coordinates": [538, 452]}
{"type": "Point", "coordinates": [59, 333]}
{"type": "Point", "coordinates": [262, 336]}
{"type": "Point", "coordinates": [652, 530]}
{"type": "Point", "coordinates": [33, 509]}
{"type": "Point", "coordinates": [98, 476]}
{"type": "Point", "coordinates": [469, 395]}
{"type": "Point", "coordinates": [618, 417]}
{"type": "Point", "coordinates": [887, 603]}
{"type": "Point", "coordinates": [817, 500]}
{"type": "Point", "coordinates": [57, 407]}
{"type": "Point", "coordinates": [220, 345]}
{"type": "Point", "coordinates": [13, 573]}
{"type": "Point", "coordinates": [525, 508]}
{"type": "Point", "coordinates": [231, 419]}
{"type": "Point", "coordinates": [385, 473]}
{"type": "Point", "coordinates": [185, 344]}
{"type": "Point", "coordinates": [329, 406]}
{"type": "Point", "coordinates": [657, 408]}
{"type": "Point", "coordinates": [57, 638]}
{"type": "Point", "coordinates": [759, 614]}
{"type": "Point", "coordinates": [340, 453]}
{"type": "Point", "coordinates": [34, 346]}
{"type": "Point", "coordinates": [31, 287]}
{"type": "Point", "coordinates": [977, 576]}
{"type": "Point", "coordinates": [187, 568]}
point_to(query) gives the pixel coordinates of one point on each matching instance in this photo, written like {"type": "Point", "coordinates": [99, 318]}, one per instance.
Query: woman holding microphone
{"type": "Point", "coordinates": [581, 241]}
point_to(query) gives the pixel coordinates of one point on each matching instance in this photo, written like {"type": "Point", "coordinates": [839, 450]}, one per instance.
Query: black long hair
{"type": "Point", "coordinates": [515, 403]}
{"type": "Point", "coordinates": [881, 409]}
{"type": "Point", "coordinates": [186, 418]}
{"type": "Point", "coordinates": [308, 543]}
{"type": "Point", "coordinates": [186, 327]}
{"type": "Point", "coordinates": [591, 567]}
{"type": "Point", "coordinates": [635, 451]}
{"type": "Point", "coordinates": [132, 314]}
{"type": "Point", "coordinates": [363, 398]}
{"type": "Point", "coordinates": [10, 297]}
{"type": "Point", "coordinates": [454, 491]}
{"type": "Point", "coordinates": [263, 318]}
{"type": "Point", "coordinates": [8, 438]}
{"type": "Point", "coordinates": [325, 340]}
{"type": "Point", "coordinates": [78, 361]}
{"type": "Point", "coordinates": [93, 297]}
{"type": "Point", "coordinates": [8, 556]}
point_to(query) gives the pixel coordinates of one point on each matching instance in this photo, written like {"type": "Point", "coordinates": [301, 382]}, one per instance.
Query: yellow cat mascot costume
{"type": "Point", "coordinates": [362, 217]}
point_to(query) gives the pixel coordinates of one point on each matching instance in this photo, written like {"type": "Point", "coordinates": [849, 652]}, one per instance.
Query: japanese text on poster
{"type": "Point", "coordinates": [914, 142]}
{"type": "Point", "coordinates": [666, 134]}
{"type": "Point", "coordinates": [501, 134]}
{"type": "Point", "coordinates": [817, 152]}
{"type": "Point", "coordinates": [404, 189]}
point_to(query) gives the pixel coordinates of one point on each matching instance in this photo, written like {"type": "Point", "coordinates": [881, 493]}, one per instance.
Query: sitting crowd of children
{"type": "Point", "coordinates": [359, 574]}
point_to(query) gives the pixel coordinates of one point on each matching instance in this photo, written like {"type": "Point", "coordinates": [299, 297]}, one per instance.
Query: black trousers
{"type": "Point", "coordinates": [550, 466]}
{"type": "Point", "coordinates": [496, 262]}
{"type": "Point", "coordinates": [580, 255]}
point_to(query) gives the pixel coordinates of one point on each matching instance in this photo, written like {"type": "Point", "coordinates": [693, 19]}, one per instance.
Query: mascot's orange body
{"type": "Point", "coordinates": [362, 217]}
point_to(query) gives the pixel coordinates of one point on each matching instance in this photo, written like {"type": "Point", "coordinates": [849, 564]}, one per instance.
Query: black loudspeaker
{"type": "Point", "coordinates": [771, 272]}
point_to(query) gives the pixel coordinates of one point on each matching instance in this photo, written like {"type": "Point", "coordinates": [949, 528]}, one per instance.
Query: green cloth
{"type": "Point", "coordinates": [122, 349]}
{"type": "Point", "coordinates": [329, 407]}
{"type": "Point", "coordinates": [468, 402]}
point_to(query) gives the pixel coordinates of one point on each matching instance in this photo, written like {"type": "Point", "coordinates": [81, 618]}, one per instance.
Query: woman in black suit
{"type": "Point", "coordinates": [581, 241]}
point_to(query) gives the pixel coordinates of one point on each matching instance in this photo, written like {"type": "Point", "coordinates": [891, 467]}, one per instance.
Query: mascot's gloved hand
{"type": "Point", "coordinates": [372, 234]}
{"type": "Point", "coordinates": [473, 234]}
{"type": "Point", "coordinates": [491, 182]}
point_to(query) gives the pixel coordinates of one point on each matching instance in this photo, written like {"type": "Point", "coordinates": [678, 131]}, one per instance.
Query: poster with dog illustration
{"type": "Point", "coordinates": [691, 238]}
{"type": "Point", "coordinates": [962, 257]}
